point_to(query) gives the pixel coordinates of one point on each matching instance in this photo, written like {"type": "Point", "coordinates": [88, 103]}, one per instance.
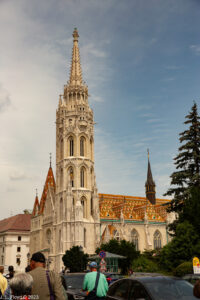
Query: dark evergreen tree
{"type": "Point", "coordinates": [75, 259]}
{"type": "Point", "coordinates": [187, 174]}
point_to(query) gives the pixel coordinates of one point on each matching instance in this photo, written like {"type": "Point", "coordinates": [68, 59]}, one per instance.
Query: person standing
{"type": "Point", "coordinates": [3, 281]}
{"type": "Point", "coordinates": [21, 286]}
{"type": "Point", "coordinates": [46, 284]}
{"type": "Point", "coordinates": [95, 283]}
{"type": "Point", "coordinates": [11, 273]}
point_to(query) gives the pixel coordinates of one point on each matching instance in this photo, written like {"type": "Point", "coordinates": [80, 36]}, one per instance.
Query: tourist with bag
{"type": "Point", "coordinates": [46, 284]}
{"type": "Point", "coordinates": [95, 284]}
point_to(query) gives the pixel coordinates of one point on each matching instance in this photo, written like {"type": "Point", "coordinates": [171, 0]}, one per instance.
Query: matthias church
{"type": "Point", "coordinates": [71, 211]}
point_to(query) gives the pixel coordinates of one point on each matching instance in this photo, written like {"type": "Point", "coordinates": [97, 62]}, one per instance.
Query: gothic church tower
{"type": "Point", "coordinates": [77, 207]}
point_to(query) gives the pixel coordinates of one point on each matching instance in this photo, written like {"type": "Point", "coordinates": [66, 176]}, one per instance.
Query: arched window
{"type": "Point", "coordinates": [71, 176]}
{"type": "Point", "coordinates": [84, 205]}
{"type": "Point", "coordinates": [48, 236]}
{"type": "Point", "coordinates": [82, 177]}
{"type": "Point", "coordinates": [61, 209]}
{"type": "Point", "coordinates": [116, 235]}
{"type": "Point", "coordinates": [134, 239]}
{"type": "Point", "coordinates": [82, 146]}
{"type": "Point", "coordinates": [84, 238]}
{"type": "Point", "coordinates": [157, 240]}
{"type": "Point", "coordinates": [71, 146]}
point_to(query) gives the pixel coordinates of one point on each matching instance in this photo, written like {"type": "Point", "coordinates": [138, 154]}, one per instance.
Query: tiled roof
{"type": "Point", "coordinates": [21, 222]}
{"type": "Point", "coordinates": [50, 182]}
{"type": "Point", "coordinates": [131, 208]}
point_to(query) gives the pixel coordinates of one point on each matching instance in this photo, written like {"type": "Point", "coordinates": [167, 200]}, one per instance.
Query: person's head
{"type": "Point", "coordinates": [28, 269]}
{"type": "Point", "coordinates": [21, 284]}
{"type": "Point", "coordinates": [196, 289]}
{"type": "Point", "coordinates": [37, 260]}
{"type": "Point", "coordinates": [93, 266]}
{"type": "Point", "coordinates": [1, 269]}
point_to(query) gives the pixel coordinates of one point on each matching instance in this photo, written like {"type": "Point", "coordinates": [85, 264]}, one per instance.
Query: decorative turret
{"type": "Point", "coordinates": [150, 184]}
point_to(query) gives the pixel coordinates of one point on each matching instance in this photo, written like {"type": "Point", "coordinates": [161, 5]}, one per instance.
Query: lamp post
{"type": "Point", "coordinates": [28, 258]}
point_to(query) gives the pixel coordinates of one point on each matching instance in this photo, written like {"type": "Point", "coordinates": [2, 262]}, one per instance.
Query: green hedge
{"type": "Point", "coordinates": [183, 269]}
{"type": "Point", "coordinates": [143, 264]}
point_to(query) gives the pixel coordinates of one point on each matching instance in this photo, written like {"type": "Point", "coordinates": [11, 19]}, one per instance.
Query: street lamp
{"type": "Point", "coordinates": [28, 258]}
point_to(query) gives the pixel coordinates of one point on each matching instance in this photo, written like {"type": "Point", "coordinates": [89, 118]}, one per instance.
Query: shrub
{"type": "Point", "coordinates": [143, 264]}
{"type": "Point", "coordinates": [183, 269]}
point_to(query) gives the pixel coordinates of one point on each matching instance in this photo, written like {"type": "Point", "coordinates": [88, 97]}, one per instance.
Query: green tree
{"type": "Point", "coordinates": [187, 162]}
{"type": "Point", "coordinates": [123, 248]}
{"type": "Point", "coordinates": [191, 209]}
{"type": "Point", "coordinates": [75, 259]}
{"type": "Point", "coordinates": [182, 248]}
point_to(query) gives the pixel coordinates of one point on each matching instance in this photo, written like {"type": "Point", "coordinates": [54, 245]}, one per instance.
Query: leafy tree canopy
{"type": "Point", "coordinates": [182, 248]}
{"type": "Point", "coordinates": [75, 259]}
{"type": "Point", "coordinates": [124, 248]}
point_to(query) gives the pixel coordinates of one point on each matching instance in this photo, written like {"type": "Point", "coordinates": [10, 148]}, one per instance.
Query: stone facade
{"type": "Point", "coordinates": [70, 212]}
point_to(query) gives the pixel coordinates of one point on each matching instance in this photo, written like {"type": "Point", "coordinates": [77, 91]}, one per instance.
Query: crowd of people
{"type": "Point", "coordinates": [42, 284]}
{"type": "Point", "coordinates": [39, 283]}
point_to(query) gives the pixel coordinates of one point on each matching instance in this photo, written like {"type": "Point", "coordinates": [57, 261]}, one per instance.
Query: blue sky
{"type": "Point", "coordinates": [141, 61]}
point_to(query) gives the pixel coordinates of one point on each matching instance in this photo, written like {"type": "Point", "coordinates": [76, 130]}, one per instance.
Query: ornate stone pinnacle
{"type": "Point", "coordinates": [75, 34]}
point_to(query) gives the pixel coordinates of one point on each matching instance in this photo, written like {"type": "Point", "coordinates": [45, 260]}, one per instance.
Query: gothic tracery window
{"type": "Point", "coordinates": [82, 146]}
{"type": "Point", "coordinates": [48, 236]}
{"type": "Point", "coordinates": [82, 177]}
{"type": "Point", "coordinates": [134, 239]}
{"type": "Point", "coordinates": [71, 146]}
{"type": "Point", "coordinates": [157, 240]}
{"type": "Point", "coordinates": [71, 176]}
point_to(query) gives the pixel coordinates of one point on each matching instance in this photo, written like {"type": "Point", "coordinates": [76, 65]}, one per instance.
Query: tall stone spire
{"type": "Point", "coordinates": [150, 184]}
{"type": "Point", "coordinates": [75, 72]}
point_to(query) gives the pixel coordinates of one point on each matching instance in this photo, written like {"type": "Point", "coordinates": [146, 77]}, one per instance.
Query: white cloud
{"type": "Point", "coordinates": [195, 49]}
{"type": "Point", "coordinates": [5, 100]}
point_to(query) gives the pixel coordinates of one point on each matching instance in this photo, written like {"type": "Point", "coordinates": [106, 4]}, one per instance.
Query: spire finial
{"type": "Point", "coordinates": [36, 192]}
{"type": "Point", "coordinates": [148, 153]}
{"type": "Point", "coordinates": [75, 34]}
{"type": "Point", "coordinates": [50, 159]}
{"type": "Point", "coordinates": [75, 72]}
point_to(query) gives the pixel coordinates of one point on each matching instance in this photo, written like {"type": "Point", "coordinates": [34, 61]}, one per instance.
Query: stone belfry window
{"type": "Point", "coordinates": [71, 175]}
{"type": "Point", "coordinates": [82, 146]}
{"type": "Point", "coordinates": [71, 146]}
{"type": "Point", "coordinates": [82, 177]}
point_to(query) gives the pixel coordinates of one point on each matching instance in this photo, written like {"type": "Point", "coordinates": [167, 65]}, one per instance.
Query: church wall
{"type": "Point", "coordinates": [143, 242]}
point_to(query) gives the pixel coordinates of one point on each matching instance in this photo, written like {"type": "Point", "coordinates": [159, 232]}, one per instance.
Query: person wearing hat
{"type": "Point", "coordinates": [47, 285]}
{"type": "Point", "coordinates": [95, 283]}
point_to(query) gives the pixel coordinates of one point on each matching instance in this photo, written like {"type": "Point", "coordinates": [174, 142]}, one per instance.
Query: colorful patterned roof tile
{"type": "Point", "coordinates": [50, 182]}
{"type": "Point", "coordinates": [132, 208]}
